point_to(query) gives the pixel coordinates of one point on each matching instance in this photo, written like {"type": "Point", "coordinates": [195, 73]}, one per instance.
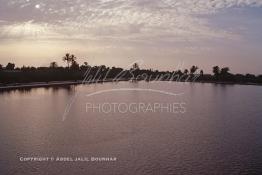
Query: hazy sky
{"type": "Point", "coordinates": [162, 33]}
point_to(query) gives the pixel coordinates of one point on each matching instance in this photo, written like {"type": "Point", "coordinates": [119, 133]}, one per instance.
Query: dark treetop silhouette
{"type": "Point", "coordinates": [74, 72]}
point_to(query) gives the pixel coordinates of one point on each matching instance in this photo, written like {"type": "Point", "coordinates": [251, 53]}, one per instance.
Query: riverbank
{"type": "Point", "coordinates": [50, 84]}
{"type": "Point", "coordinates": [68, 83]}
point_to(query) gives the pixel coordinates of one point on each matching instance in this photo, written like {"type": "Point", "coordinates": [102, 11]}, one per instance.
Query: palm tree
{"type": "Point", "coordinates": [193, 69]}
{"type": "Point", "coordinates": [72, 59]}
{"type": "Point", "coordinates": [67, 59]}
{"type": "Point", "coordinates": [135, 66]}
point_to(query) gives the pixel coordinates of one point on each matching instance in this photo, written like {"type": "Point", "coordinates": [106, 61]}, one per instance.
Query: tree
{"type": "Point", "coordinates": [216, 71]}
{"type": "Point", "coordinates": [201, 73]}
{"type": "Point", "coordinates": [179, 72]}
{"type": "Point", "coordinates": [10, 66]}
{"type": "Point", "coordinates": [186, 71]}
{"type": "Point", "coordinates": [75, 65]}
{"type": "Point", "coordinates": [135, 66]}
{"type": "Point", "coordinates": [85, 66]}
{"type": "Point", "coordinates": [53, 65]}
{"type": "Point", "coordinates": [72, 59]}
{"type": "Point", "coordinates": [250, 76]}
{"type": "Point", "coordinates": [193, 69]}
{"type": "Point", "coordinates": [224, 71]}
{"type": "Point", "coordinates": [67, 59]}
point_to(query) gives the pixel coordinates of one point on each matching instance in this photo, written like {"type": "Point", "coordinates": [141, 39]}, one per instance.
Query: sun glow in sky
{"type": "Point", "coordinates": [162, 33]}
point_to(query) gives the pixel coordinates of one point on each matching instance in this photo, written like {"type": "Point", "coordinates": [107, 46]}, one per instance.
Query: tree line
{"type": "Point", "coordinates": [74, 71]}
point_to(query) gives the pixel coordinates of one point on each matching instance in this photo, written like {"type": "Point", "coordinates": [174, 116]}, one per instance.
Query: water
{"type": "Point", "coordinates": [219, 133]}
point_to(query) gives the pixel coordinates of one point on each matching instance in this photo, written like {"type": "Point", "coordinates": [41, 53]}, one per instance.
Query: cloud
{"type": "Point", "coordinates": [133, 20]}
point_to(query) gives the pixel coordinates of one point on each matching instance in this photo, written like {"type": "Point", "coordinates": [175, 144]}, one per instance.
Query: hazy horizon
{"type": "Point", "coordinates": [162, 33]}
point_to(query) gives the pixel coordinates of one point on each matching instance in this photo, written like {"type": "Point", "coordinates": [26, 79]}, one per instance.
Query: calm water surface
{"type": "Point", "coordinates": [220, 132]}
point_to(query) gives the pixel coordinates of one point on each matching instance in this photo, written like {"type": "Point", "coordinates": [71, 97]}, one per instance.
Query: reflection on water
{"type": "Point", "coordinates": [28, 90]}
{"type": "Point", "coordinates": [220, 133]}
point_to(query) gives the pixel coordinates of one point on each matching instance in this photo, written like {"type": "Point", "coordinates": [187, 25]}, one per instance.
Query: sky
{"type": "Point", "coordinates": [161, 34]}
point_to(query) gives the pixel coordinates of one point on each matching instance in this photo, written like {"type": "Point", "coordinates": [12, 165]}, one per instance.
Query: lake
{"type": "Point", "coordinates": [151, 128]}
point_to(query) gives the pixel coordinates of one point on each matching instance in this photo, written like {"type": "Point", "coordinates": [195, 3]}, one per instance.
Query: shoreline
{"type": "Point", "coordinates": [15, 86]}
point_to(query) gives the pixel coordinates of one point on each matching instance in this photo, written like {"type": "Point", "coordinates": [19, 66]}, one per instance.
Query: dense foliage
{"type": "Point", "coordinates": [73, 72]}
